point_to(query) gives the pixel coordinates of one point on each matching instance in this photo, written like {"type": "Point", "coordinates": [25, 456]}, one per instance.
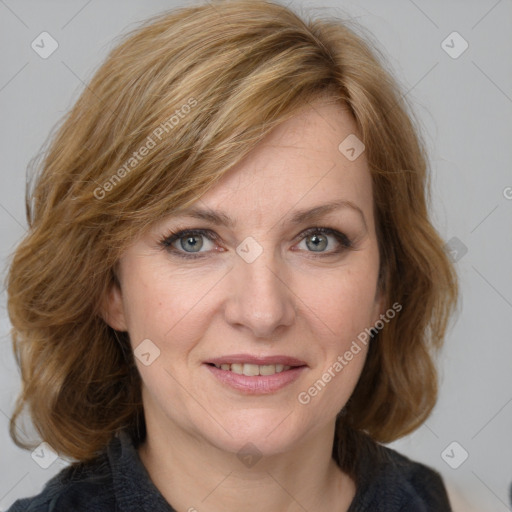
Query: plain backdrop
{"type": "Point", "coordinates": [463, 100]}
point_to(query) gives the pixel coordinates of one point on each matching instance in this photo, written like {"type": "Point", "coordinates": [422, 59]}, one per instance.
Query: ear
{"type": "Point", "coordinates": [379, 305]}
{"type": "Point", "coordinates": [379, 302]}
{"type": "Point", "coordinates": [112, 307]}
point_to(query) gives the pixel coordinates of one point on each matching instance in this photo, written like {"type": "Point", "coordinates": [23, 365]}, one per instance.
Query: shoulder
{"type": "Point", "coordinates": [391, 482]}
{"type": "Point", "coordinates": [424, 483]}
{"type": "Point", "coordinates": [82, 487]}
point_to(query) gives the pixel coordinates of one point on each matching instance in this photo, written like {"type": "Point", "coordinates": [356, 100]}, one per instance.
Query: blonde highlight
{"type": "Point", "coordinates": [80, 383]}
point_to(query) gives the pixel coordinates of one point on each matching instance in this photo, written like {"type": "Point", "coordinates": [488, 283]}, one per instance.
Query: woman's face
{"type": "Point", "coordinates": [243, 327]}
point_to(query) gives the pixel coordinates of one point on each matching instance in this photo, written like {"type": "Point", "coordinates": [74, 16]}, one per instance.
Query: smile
{"type": "Point", "coordinates": [255, 375]}
{"type": "Point", "coordinates": [253, 370]}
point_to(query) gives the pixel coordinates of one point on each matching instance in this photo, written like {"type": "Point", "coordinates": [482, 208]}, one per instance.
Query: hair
{"type": "Point", "coordinates": [199, 87]}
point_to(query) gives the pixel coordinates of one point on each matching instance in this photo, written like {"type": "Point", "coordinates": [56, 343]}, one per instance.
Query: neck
{"type": "Point", "coordinates": [193, 475]}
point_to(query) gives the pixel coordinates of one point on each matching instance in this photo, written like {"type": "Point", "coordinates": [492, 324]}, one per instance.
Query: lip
{"type": "Point", "coordinates": [260, 384]}
{"type": "Point", "coordinates": [259, 360]}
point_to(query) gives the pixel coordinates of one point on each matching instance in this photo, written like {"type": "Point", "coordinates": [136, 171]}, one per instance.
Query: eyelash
{"type": "Point", "coordinates": [167, 241]}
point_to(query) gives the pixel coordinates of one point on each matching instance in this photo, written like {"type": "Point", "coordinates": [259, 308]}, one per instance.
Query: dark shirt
{"type": "Point", "coordinates": [117, 481]}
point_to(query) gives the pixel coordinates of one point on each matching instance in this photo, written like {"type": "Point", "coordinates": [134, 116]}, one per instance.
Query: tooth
{"type": "Point", "coordinates": [267, 369]}
{"type": "Point", "coordinates": [251, 370]}
{"type": "Point", "coordinates": [237, 368]}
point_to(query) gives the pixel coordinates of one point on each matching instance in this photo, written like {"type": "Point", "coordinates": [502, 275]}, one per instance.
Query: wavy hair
{"type": "Point", "coordinates": [199, 87]}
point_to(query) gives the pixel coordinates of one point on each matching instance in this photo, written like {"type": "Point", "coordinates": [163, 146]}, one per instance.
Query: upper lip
{"type": "Point", "coordinates": [259, 360]}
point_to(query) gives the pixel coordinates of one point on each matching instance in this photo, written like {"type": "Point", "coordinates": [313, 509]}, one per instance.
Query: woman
{"type": "Point", "coordinates": [230, 291]}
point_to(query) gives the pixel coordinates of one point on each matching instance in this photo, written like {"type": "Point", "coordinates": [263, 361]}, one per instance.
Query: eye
{"type": "Point", "coordinates": [188, 243]}
{"type": "Point", "coordinates": [318, 239]}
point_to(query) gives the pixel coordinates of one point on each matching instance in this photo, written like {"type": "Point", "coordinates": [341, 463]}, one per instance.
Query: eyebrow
{"type": "Point", "coordinates": [299, 217]}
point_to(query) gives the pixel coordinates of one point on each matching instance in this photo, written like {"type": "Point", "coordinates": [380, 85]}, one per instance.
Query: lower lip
{"type": "Point", "coordinates": [257, 385]}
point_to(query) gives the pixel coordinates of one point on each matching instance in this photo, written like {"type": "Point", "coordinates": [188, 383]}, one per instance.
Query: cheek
{"type": "Point", "coordinates": [342, 304]}
{"type": "Point", "coordinates": [157, 302]}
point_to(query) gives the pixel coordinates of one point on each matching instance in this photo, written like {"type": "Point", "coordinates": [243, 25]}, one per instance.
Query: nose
{"type": "Point", "coordinates": [260, 297]}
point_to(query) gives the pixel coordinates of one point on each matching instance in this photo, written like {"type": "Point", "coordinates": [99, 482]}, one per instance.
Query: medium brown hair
{"type": "Point", "coordinates": [242, 67]}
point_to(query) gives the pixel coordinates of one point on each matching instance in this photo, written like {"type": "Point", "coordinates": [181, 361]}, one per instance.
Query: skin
{"type": "Point", "coordinates": [290, 301]}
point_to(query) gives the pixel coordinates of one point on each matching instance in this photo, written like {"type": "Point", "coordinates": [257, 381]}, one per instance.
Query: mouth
{"type": "Point", "coordinates": [256, 375]}
{"type": "Point", "coordinates": [252, 370]}
{"type": "Point", "coordinates": [252, 366]}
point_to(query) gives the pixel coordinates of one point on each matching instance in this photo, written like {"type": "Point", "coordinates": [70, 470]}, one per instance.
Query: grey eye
{"type": "Point", "coordinates": [317, 242]}
{"type": "Point", "coordinates": [191, 243]}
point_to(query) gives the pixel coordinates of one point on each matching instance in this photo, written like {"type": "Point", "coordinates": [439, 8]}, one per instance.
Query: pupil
{"type": "Point", "coordinates": [193, 243]}
{"type": "Point", "coordinates": [318, 242]}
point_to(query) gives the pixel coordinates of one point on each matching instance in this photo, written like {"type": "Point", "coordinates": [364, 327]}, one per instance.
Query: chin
{"type": "Point", "coordinates": [266, 432]}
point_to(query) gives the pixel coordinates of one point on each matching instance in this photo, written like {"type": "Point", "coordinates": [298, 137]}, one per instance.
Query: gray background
{"type": "Point", "coordinates": [465, 107]}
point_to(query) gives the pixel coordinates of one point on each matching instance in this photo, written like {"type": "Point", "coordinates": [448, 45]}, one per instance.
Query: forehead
{"type": "Point", "coordinates": [299, 165]}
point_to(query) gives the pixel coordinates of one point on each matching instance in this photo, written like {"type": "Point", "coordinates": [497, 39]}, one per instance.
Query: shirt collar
{"type": "Point", "coordinates": [133, 488]}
